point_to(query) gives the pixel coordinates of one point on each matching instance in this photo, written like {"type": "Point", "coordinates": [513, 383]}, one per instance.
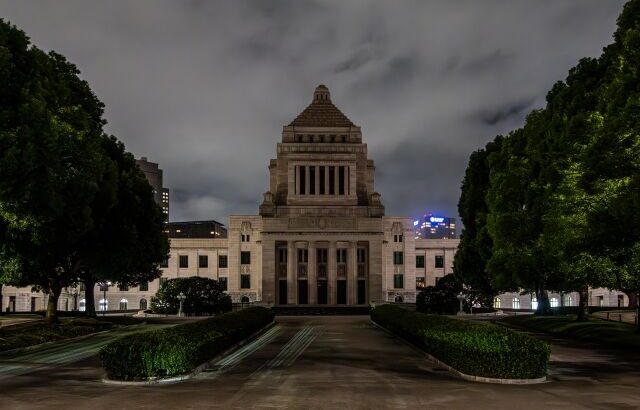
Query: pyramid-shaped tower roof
{"type": "Point", "coordinates": [321, 112]}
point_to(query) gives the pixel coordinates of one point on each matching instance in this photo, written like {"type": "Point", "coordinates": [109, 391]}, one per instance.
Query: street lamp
{"type": "Point", "coordinates": [460, 297]}
{"type": "Point", "coordinates": [181, 298]}
{"type": "Point", "coordinates": [105, 287]}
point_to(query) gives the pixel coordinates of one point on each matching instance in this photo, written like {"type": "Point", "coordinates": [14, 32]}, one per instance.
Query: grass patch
{"type": "Point", "coordinates": [473, 348]}
{"type": "Point", "coordinates": [605, 333]}
{"type": "Point", "coordinates": [35, 333]}
{"type": "Point", "coordinates": [180, 349]}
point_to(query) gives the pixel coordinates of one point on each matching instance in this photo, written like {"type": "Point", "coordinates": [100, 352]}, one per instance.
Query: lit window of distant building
{"type": "Point", "coordinates": [515, 303]}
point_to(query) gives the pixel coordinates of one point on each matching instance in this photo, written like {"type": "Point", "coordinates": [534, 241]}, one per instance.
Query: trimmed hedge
{"type": "Point", "coordinates": [473, 348]}
{"type": "Point", "coordinates": [179, 349]}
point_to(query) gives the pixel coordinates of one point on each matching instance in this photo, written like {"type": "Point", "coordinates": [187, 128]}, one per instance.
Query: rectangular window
{"type": "Point", "coordinates": [303, 255]}
{"type": "Point", "coordinates": [361, 255]}
{"type": "Point", "coordinates": [282, 255]}
{"type": "Point", "coordinates": [303, 180]}
{"type": "Point", "coordinates": [399, 238]}
{"type": "Point", "coordinates": [245, 281]}
{"type": "Point", "coordinates": [419, 261]}
{"type": "Point", "coordinates": [398, 258]}
{"type": "Point", "coordinates": [332, 180]}
{"type": "Point", "coordinates": [439, 261]}
{"type": "Point", "coordinates": [398, 281]}
{"type": "Point", "coordinates": [222, 261]}
{"type": "Point", "coordinates": [341, 255]}
{"type": "Point", "coordinates": [312, 180]}
{"type": "Point", "coordinates": [321, 171]}
{"type": "Point", "coordinates": [184, 261]}
{"type": "Point", "coordinates": [165, 263]}
{"type": "Point", "coordinates": [203, 261]}
{"type": "Point", "coordinates": [123, 287]}
{"type": "Point", "coordinates": [144, 286]}
{"type": "Point", "coordinates": [340, 180]}
{"type": "Point", "coordinates": [223, 282]}
{"type": "Point", "coordinates": [420, 283]}
{"type": "Point", "coordinates": [245, 258]}
{"type": "Point", "coordinates": [321, 260]}
{"type": "Point", "coordinates": [163, 281]}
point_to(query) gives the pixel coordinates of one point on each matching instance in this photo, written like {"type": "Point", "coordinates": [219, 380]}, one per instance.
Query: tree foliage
{"type": "Point", "coordinates": [562, 202]}
{"type": "Point", "coordinates": [203, 296]}
{"type": "Point", "coordinates": [73, 204]}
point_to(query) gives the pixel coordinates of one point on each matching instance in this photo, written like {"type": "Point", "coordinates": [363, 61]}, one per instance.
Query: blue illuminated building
{"type": "Point", "coordinates": [432, 226]}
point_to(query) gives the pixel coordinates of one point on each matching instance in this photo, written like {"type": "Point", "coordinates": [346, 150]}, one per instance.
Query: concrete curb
{"type": "Point", "coordinates": [459, 374]}
{"type": "Point", "coordinates": [71, 339]}
{"type": "Point", "coordinates": [194, 372]}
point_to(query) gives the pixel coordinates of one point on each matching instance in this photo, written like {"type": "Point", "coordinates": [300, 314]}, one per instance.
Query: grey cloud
{"type": "Point", "coordinates": [204, 87]}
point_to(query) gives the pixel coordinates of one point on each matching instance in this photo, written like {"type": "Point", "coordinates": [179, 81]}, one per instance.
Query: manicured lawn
{"type": "Point", "coordinates": [34, 333]}
{"type": "Point", "coordinates": [608, 334]}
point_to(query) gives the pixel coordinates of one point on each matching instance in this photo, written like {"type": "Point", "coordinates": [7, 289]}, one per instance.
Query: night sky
{"type": "Point", "coordinates": [204, 87]}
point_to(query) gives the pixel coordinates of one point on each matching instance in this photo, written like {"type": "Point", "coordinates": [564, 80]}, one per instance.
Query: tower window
{"type": "Point", "coordinates": [332, 179]}
{"type": "Point", "coordinates": [303, 186]}
{"type": "Point", "coordinates": [321, 187]}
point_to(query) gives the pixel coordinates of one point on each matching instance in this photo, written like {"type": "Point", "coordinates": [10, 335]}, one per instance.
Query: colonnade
{"type": "Point", "coordinates": [342, 281]}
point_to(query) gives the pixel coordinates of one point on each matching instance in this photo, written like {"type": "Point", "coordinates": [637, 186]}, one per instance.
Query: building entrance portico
{"type": "Point", "coordinates": [321, 272]}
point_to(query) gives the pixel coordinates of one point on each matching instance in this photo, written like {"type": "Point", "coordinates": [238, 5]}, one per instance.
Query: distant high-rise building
{"type": "Point", "coordinates": [154, 176]}
{"type": "Point", "coordinates": [432, 226]}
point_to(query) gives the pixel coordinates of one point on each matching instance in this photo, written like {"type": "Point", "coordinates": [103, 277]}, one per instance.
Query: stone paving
{"type": "Point", "coordinates": [336, 363]}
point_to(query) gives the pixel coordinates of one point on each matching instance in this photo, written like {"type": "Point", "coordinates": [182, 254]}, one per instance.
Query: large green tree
{"type": "Point", "coordinates": [475, 246]}
{"type": "Point", "coordinates": [563, 193]}
{"type": "Point", "coordinates": [129, 243]}
{"type": "Point", "coordinates": [50, 162]}
{"type": "Point", "coordinates": [203, 296]}
{"type": "Point", "coordinates": [74, 206]}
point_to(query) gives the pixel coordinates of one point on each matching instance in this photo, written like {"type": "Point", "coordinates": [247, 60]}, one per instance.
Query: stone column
{"type": "Point", "coordinates": [377, 271]}
{"type": "Point", "coordinates": [307, 179]}
{"type": "Point", "coordinates": [269, 277]}
{"type": "Point", "coordinates": [352, 273]}
{"type": "Point", "coordinates": [326, 179]}
{"type": "Point", "coordinates": [312, 276]}
{"type": "Point", "coordinates": [291, 273]}
{"type": "Point", "coordinates": [332, 274]}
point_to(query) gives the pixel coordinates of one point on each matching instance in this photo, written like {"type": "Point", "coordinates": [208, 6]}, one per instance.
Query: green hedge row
{"type": "Point", "coordinates": [473, 348]}
{"type": "Point", "coordinates": [179, 349]}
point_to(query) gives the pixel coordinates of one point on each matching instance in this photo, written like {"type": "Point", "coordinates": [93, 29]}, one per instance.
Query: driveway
{"type": "Point", "coordinates": [336, 363]}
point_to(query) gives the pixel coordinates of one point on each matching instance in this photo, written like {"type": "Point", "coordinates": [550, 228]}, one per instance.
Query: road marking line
{"type": "Point", "coordinates": [235, 358]}
{"type": "Point", "coordinates": [290, 347]}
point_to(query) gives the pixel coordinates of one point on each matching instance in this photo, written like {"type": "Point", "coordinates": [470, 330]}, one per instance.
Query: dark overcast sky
{"type": "Point", "coordinates": [204, 87]}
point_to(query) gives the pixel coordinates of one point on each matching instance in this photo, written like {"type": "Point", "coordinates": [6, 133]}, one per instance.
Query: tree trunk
{"type": "Point", "coordinates": [583, 305]}
{"type": "Point", "coordinates": [55, 288]}
{"type": "Point", "coordinates": [633, 299]}
{"type": "Point", "coordinates": [544, 307]}
{"type": "Point", "coordinates": [89, 298]}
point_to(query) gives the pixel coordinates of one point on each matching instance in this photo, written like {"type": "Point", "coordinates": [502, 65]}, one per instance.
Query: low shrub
{"type": "Point", "coordinates": [473, 348]}
{"type": "Point", "coordinates": [179, 349]}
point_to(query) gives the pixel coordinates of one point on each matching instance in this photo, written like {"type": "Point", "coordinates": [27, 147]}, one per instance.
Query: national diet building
{"type": "Point", "coordinates": [321, 236]}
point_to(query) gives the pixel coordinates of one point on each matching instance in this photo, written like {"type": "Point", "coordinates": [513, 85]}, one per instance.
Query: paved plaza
{"type": "Point", "coordinates": [328, 362]}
